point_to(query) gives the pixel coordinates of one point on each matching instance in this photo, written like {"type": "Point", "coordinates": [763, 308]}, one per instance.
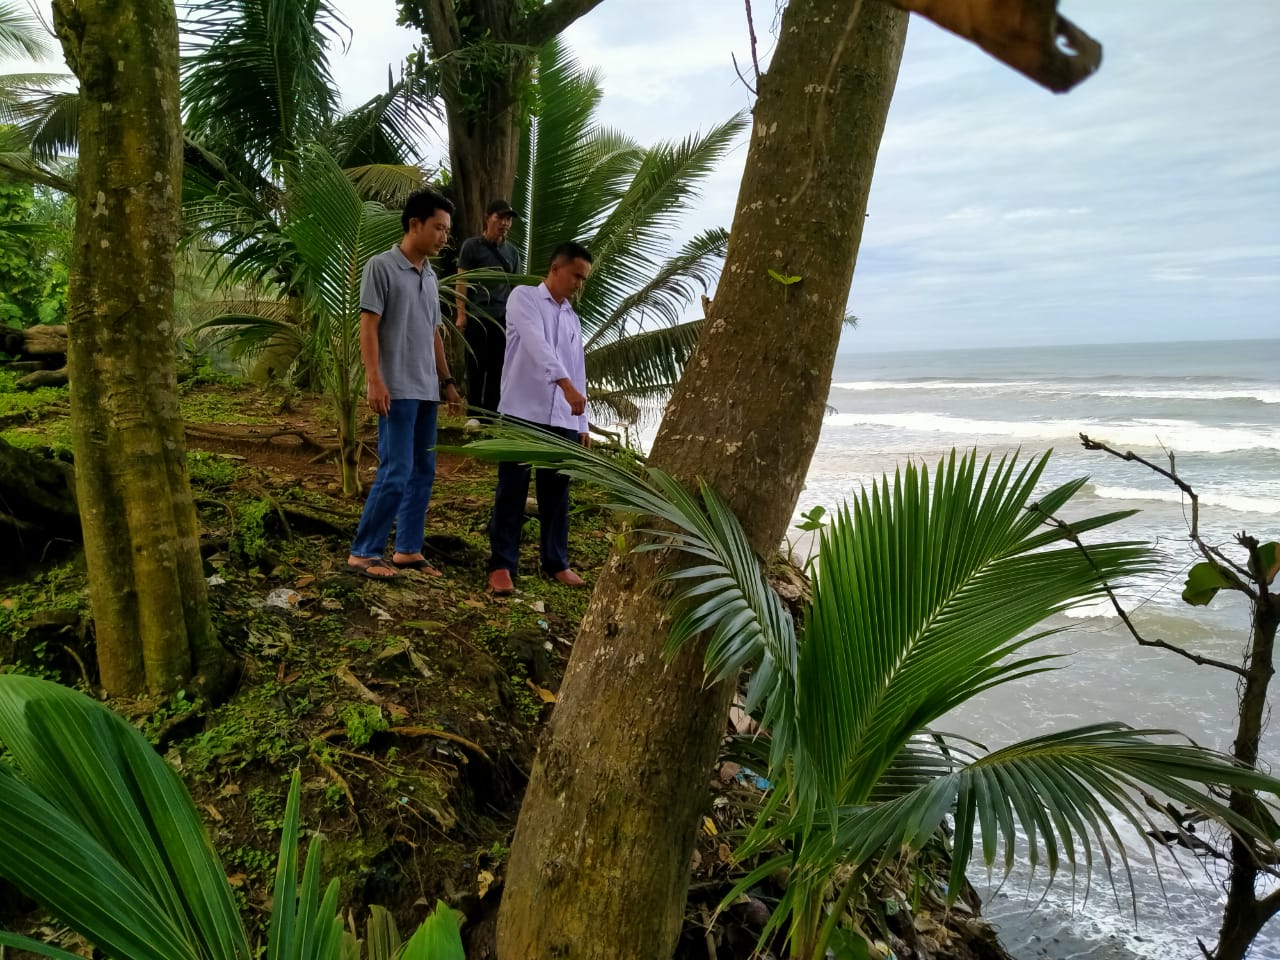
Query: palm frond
{"type": "Point", "coordinates": [570, 172]}
{"type": "Point", "coordinates": [256, 79]}
{"type": "Point", "coordinates": [1058, 794]}
{"type": "Point", "coordinates": [635, 237]}
{"type": "Point", "coordinates": [52, 122]}
{"type": "Point", "coordinates": [942, 617]}
{"type": "Point", "coordinates": [388, 128]}
{"type": "Point", "coordinates": [22, 35]}
{"type": "Point", "coordinates": [664, 298]}
{"type": "Point", "coordinates": [102, 832]}
{"type": "Point", "coordinates": [642, 365]}
{"type": "Point", "coordinates": [17, 163]}
{"type": "Point", "coordinates": [388, 183]}
{"type": "Point", "coordinates": [722, 593]}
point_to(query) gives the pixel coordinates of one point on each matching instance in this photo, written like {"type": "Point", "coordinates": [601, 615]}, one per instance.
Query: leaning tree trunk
{"type": "Point", "coordinates": [146, 583]}
{"type": "Point", "coordinates": [600, 863]}
{"type": "Point", "coordinates": [1245, 913]}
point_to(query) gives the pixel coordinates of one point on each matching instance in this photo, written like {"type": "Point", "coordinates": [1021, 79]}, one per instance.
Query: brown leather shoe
{"type": "Point", "coordinates": [500, 584]}
{"type": "Point", "coordinates": [569, 578]}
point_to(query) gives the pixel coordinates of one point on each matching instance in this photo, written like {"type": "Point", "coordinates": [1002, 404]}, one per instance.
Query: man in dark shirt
{"type": "Point", "coordinates": [482, 306]}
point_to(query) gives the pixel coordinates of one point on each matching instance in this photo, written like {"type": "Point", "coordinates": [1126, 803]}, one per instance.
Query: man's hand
{"type": "Point", "coordinates": [454, 399]}
{"type": "Point", "coordinates": [584, 439]}
{"type": "Point", "coordinates": [577, 402]}
{"type": "Point", "coordinates": [379, 397]}
{"type": "Point", "coordinates": [460, 321]}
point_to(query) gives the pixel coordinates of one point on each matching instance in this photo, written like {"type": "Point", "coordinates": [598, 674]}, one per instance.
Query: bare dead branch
{"type": "Point", "coordinates": [1142, 641]}
{"type": "Point", "coordinates": [751, 31]}
{"type": "Point", "coordinates": [738, 71]}
{"type": "Point", "coordinates": [1236, 574]}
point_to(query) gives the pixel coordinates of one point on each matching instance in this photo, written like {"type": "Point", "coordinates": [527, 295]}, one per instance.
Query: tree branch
{"type": "Point", "coordinates": [1124, 616]}
{"type": "Point", "coordinates": [552, 19]}
{"type": "Point", "coordinates": [751, 31]}
{"type": "Point", "coordinates": [33, 173]}
{"type": "Point", "coordinates": [440, 23]}
{"type": "Point", "coordinates": [1234, 572]}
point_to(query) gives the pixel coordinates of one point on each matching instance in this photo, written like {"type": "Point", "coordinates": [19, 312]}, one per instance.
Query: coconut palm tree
{"type": "Point", "coordinates": [577, 180]}
{"type": "Point", "coordinates": [101, 832]}
{"type": "Point", "coordinates": [928, 591]}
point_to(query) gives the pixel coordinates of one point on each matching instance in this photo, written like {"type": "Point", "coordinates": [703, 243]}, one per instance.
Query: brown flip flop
{"type": "Point", "coordinates": [365, 570]}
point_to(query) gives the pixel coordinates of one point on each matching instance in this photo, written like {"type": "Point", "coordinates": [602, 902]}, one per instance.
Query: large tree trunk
{"type": "Point", "coordinates": [146, 583]}
{"type": "Point", "coordinates": [600, 862]}
{"type": "Point", "coordinates": [484, 142]}
{"type": "Point", "coordinates": [484, 59]}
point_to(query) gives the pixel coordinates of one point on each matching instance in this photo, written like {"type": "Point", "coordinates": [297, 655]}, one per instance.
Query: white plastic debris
{"type": "Point", "coordinates": [282, 598]}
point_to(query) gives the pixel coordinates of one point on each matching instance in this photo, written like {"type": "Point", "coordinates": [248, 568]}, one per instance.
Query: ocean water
{"type": "Point", "coordinates": [1216, 407]}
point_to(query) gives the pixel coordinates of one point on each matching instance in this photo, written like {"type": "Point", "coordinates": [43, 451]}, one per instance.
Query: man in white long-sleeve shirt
{"type": "Point", "coordinates": [544, 382]}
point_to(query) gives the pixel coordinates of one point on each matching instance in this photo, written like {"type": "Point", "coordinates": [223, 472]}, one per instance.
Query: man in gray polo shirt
{"type": "Point", "coordinates": [405, 368]}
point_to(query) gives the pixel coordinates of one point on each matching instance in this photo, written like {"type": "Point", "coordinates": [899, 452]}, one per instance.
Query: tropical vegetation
{"type": "Point", "coordinates": [928, 590]}
{"type": "Point", "coordinates": [102, 833]}
{"type": "Point", "coordinates": [580, 180]}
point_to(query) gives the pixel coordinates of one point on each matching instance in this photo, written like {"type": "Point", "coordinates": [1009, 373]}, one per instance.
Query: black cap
{"type": "Point", "coordinates": [500, 207]}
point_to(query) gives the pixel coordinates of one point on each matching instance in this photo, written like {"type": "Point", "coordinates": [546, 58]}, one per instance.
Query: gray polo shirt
{"type": "Point", "coordinates": [409, 304]}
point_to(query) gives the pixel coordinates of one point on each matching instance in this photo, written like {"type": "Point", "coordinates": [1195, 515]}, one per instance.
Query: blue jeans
{"type": "Point", "coordinates": [402, 489]}
{"type": "Point", "coordinates": [552, 490]}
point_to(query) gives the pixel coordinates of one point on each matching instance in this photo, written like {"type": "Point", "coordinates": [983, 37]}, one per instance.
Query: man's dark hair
{"type": "Point", "coordinates": [569, 250]}
{"type": "Point", "coordinates": [421, 206]}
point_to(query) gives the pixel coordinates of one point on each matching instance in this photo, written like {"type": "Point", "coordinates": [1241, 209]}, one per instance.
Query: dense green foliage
{"type": "Point", "coordinates": [578, 180]}
{"type": "Point", "coordinates": [35, 230]}
{"type": "Point", "coordinates": [103, 834]}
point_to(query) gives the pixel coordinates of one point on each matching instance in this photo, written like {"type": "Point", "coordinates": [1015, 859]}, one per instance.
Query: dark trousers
{"type": "Point", "coordinates": [486, 348]}
{"type": "Point", "coordinates": [552, 490]}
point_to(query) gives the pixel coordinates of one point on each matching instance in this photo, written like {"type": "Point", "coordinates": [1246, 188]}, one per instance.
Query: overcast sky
{"type": "Point", "coordinates": [1144, 205]}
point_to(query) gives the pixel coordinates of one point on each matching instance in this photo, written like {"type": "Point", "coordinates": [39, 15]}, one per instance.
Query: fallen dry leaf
{"type": "Point", "coordinates": [545, 695]}
{"type": "Point", "coordinates": [213, 812]}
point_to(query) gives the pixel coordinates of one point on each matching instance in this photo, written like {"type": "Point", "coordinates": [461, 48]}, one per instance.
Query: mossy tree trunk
{"type": "Point", "coordinates": [600, 862]}
{"type": "Point", "coordinates": [146, 582]}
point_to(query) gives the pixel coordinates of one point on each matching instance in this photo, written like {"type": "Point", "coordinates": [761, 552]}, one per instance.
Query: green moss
{"type": "Point", "coordinates": [222, 406]}
{"type": "Point", "coordinates": [15, 404]}
{"type": "Point", "coordinates": [212, 471]}
{"type": "Point", "coordinates": [54, 436]}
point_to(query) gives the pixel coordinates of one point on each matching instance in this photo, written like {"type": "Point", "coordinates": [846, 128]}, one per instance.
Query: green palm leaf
{"type": "Point", "coordinates": [636, 364]}
{"type": "Point", "coordinates": [22, 35]}
{"type": "Point", "coordinates": [388, 183]}
{"type": "Point", "coordinates": [388, 128]}
{"type": "Point", "coordinates": [257, 81]}
{"type": "Point", "coordinates": [693, 269]}
{"type": "Point", "coordinates": [635, 238]}
{"type": "Point", "coordinates": [104, 834]}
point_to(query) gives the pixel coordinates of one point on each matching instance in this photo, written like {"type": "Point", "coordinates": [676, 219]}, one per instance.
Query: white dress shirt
{"type": "Point", "coordinates": [544, 344]}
